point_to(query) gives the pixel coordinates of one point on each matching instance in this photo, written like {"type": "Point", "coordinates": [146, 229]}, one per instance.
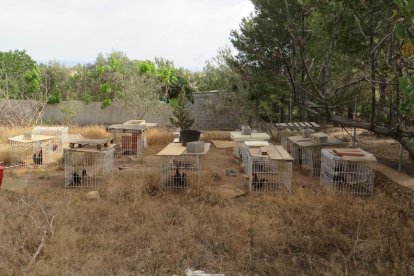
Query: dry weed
{"type": "Point", "coordinates": [92, 131]}
{"type": "Point", "coordinates": [159, 136]}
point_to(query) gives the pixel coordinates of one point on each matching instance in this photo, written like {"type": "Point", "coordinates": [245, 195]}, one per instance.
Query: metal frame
{"type": "Point", "coordinates": [179, 172]}
{"type": "Point", "coordinates": [88, 167]}
{"type": "Point", "coordinates": [343, 176]}
{"type": "Point", "coordinates": [31, 153]}
{"type": "Point", "coordinates": [267, 175]}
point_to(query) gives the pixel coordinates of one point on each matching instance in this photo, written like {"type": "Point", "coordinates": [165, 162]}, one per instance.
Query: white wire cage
{"type": "Point", "coordinates": [293, 149]}
{"type": "Point", "coordinates": [266, 174]}
{"type": "Point", "coordinates": [88, 165]}
{"type": "Point", "coordinates": [60, 134]}
{"type": "Point", "coordinates": [29, 150]}
{"type": "Point", "coordinates": [251, 144]}
{"type": "Point", "coordinates": [311, 158]}
{"type": "Point", "coordinates": [347, 175]}
{"type": "Point", "coordinates": [180, 172]}
{"type": "Point", "coordinates": [130, 139]}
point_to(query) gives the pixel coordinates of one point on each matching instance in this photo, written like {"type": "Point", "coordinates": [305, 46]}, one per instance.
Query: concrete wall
{"type": "Point", "coordinates": [207, 110]}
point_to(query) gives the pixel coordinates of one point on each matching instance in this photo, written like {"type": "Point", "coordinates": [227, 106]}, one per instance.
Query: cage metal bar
{"type": "Point", "coordinates": [343, 176]}
{"type": "Point", "coordinates": [180, 172]}
{"type": "Point", "coordinates": [128, 144]}
{"type": "Point", "coordinates": [35, 153]}
{"type": "Point", "coordinates": [267, 175]}
{"type": "Point", "coordinates": [88, 169]}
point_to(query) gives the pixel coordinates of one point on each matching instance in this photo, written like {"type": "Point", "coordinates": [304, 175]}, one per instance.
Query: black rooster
{"type": "Point", "coordinates": [258, 184]}
{"type": "Point", "coordinates": [77, 179]}
{"type": "Point", "coordinates": [179, 180]}
{"type": "Point", "coordinates": [38, 158]}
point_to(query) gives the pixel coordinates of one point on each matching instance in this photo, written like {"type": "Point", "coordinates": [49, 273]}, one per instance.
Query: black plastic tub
{"type": "Point", "coordinates": [189, 135]}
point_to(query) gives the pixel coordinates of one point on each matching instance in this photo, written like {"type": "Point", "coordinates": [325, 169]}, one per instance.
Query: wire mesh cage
{"type": "Point", "coordinates": [180, 172]}
{"type": "Point", "coordinates": [266, 174]}
{"type": "Point", "coordinates": [130, 139]}
{"type": "Point", "coordinates": [31, 150]}
{"type": "Point", "coordinates": [238, 149]}
{"type": "Point", "coordinates": [88, 166]}
{"type": "Point", "coordinates": [311, 159]}
{"type": "Point", "coordinates": [284, 134]}
{"type": "Point", "coordinates": [251, 144]}
{"type": "Point", "coordinates": [59, 133]}
{"type": "Point", "coordinates": [293, 149]}
{"type": "Point", "coordinates": [347, 175]}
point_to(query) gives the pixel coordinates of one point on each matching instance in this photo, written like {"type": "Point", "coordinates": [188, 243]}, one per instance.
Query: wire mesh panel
{"type": "Point", "coordinates": [293, 149]}
{"type": "Point", "coordinates": [59, 133]}
{"type": "Point", "coordinates": [346, 176]}
{"type": "Point", "coordinates": [36, 151]}
{"type": "Point", "coordinates": [266, 174]}
{"type": "Point", "coordinates": [238, 149]}
{"type": "Point", "coordinates": [311, 159]}
{"type": "Point", "coordinates": [180, 172]}
{"type": "Point", "coordinates": [87, 167]}
{"type": "Point", "coordinates": [128, 144]}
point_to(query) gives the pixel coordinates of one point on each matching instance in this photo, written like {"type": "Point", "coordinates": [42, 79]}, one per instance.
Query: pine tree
{"type": "Point", "coordinates": [181, 115]}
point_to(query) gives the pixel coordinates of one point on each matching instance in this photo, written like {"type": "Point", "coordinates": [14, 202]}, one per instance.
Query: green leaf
{"type": "Point", "coordinates": [400, 31]}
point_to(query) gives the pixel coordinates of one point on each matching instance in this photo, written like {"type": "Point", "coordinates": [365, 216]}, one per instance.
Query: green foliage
{"type": "Point", "coordinates": [54, 98]}
{"type": "Point", "coordinates": [181, 115]}
{"type": "Point", "coordinates": [19, 75]}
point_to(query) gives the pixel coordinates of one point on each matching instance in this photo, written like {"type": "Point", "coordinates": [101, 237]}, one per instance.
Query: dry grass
{"type": "Point", "coordinates": [159, 136]}
{"type": "Point", "coordinates": [92, 132]}
{"type": "Point", "coordinates": [216, 135]}
{"type": "Point", "coordinates": [137, 229]}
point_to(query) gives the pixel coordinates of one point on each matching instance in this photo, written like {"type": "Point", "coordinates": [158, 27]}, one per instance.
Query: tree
{"type": "Point", "coordinates": [139, 95]}
{"type": "Point", "coordinates": [328, 52]}
{"type": "Point", "coordinates": [181, 115]}
{"type": "Point", "coordinates": [19, 75]}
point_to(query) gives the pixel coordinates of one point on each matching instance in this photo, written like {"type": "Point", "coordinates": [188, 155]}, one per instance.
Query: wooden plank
{"type": "Point", "coordinates": [349, 152]}
{"type": "Point", "coordinates": [256, 152]}
{"type": "Point", "coordinates": [273, 153]}
{"type": "Point", "coordinates": [307, 124]}
{"type": "Point", "coordinates": [172, 149]}
{"type": "Point", "coordinates": [296, 124]}
{"type": "Point", "coordinates": [301, 124]}
{"type": "Point", "coordinates": [285, 155]}
{"type": "Point", "coordinates": [256, 143]}
{"type": "Point", "coordinates": [314, 124]}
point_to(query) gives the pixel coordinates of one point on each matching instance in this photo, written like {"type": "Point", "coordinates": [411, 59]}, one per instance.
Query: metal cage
{"type": "Point", "coordinates": [267, 175]}
{"type": "Point", "coordinates": [31, 150]}
{"type": "Point", "coordinates": [311, 159]}
{"type": "Point", "coordinates": [88, 167]}
{"type": "Point", "coordinates": [180, 172]}
{"type": "Point", "coordinates": [344, 176]}
{"type": "Point", "coordinates": [294, 150]}
{"type": "Point", "coordinates": [59, 133]}
{"type": "Point", "coordinates": [128, 144]}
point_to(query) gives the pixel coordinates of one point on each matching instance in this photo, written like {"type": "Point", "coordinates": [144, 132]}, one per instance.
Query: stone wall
{"type": "Point", "coordinates": [207, 110]}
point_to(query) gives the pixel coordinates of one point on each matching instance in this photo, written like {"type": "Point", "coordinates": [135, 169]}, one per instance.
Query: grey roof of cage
{"type": "Point", "coordinates": [126, 128]}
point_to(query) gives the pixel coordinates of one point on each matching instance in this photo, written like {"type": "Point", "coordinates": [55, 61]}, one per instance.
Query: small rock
{"type": "Point", "coordinates": [93, 195]}
{"type": "Point", "coordinates": [231, 172]}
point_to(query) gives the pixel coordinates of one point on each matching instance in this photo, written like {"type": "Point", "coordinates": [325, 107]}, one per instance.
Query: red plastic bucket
{"type": "Point", "coordinates": [1, 174]}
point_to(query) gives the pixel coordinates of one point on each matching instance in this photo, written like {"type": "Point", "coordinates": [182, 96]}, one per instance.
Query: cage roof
{"type": "Point", "coordinates": [126, 128]}
{"type": "Point", "coordinates": [33, 138]}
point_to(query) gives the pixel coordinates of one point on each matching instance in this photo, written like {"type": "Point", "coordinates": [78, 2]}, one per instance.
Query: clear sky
{"type": "Point", "coordinates": [186, 31]}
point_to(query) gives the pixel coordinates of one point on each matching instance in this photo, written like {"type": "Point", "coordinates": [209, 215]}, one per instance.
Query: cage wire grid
{"type": "Point", "coordinates": [31, 153]}
{"type": "Point", "coordinates": [343, 176]}
{"type": "Point", "coordinates": [238, 149]}
{"type": "Point", "coordinates": [88, 168]}
{"type": "Point", "coordinates": [60, 134]}
{"type": "Point", "coordinates": [180, 172]}
{"type": "Point", "coordinates": [294, 150]}
{"type": "Point", "coordinates": [128, 144]}
{"type": "Point", "coordinates": [267, 175]}
{"type": "Point", "coordinates": [311, 158]}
